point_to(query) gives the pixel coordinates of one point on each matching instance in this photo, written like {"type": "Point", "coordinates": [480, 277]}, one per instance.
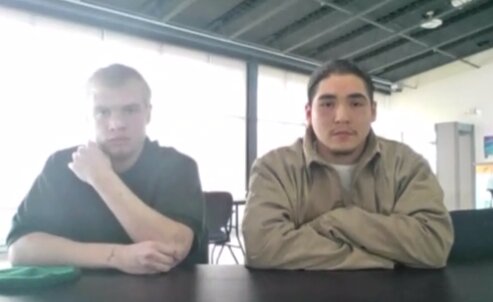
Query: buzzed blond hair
{"type": "Point", "coordinates": [116, 75]}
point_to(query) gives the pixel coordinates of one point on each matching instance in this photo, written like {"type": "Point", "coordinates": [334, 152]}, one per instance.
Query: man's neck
{"type": "Point", "coordinates": [341, 158]}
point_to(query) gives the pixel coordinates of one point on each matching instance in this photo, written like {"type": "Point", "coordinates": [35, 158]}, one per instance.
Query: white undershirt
{"type": "Point", "coordinates": [345, 174]}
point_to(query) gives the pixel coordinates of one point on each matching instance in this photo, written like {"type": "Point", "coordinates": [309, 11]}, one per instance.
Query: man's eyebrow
{"type": "Point", "coordinates": [327, 96]}
{"type": "Point", "coordinates": [357, 95]}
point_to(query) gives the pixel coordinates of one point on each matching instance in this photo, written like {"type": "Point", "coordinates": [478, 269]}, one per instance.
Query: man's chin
{"type": "Point", "coordinates": [116, 153]}
{"type": "Point", "coordinates": [342, 151]}
{"type": "Point", "coordinates": [119, 154]}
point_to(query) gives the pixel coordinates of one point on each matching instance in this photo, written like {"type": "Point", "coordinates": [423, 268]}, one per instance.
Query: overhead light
{"type": "Point", "coordinates": [459, 3]}
{"type": "Point", "coordinates": [430, 22]}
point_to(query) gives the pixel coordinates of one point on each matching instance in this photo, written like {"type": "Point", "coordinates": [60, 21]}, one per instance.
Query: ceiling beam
{"type": "Point", "coordinates": [97, 16]}
{"type": "Point", "coordinates": [394, 35]}
{"type": "Point", "coordinates": [337, 26]}
{"type": "Point", "coordinates": [363, 35]}
{"type": "Point", "coordinates": [184, 4]}
{"type": "Point", "coordinates": [405, 36]}
{"type": "Point", "coordinates": [234, 13]}
{"type": "Point", "coordinates": [107, 18]}
{"type": "Point", "coordinates": [285, 4]}
{"type": "Point", "coordinates": [442, 44]}
{"type": "Point", "coordinates": [298, 24]}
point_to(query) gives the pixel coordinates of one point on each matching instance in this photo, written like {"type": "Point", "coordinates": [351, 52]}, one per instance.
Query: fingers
{"type": "Point", "coordinates": [76, 155]}
{"type": "Point", "coordinates": [166, 249]}
{"type": "Point", "coordinates": [92, 145]}
{"type": "Point", "coordinates": [85, 148]}
{"type": "Point", "coordinates": [162, 258]}
{"type": "Point", "coordinates": [148, 257]}
{"type": "Point", "coordinates": [156, 267]}
{"type": "Point", "coordinates": [76, 159]}
{"type": "Point", "coordinates": [156, 263]}
{"type": "Point", "coordinates": [87, 152]}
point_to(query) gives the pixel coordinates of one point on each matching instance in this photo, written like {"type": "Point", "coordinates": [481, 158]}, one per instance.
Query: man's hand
{"type": "Point", "coordinates": [89, 163]}
{"type": "Point", "coordinates": [149, 257]}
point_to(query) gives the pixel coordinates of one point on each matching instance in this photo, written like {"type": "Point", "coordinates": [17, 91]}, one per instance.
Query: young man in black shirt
{"type": "Point", "coordinates": [119, 202]}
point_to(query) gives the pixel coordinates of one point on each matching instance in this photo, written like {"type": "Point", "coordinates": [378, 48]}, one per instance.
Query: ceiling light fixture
{"type": "Point", "coordinates": [459, 3]}
{"type": "Point", "coordinates": [430, 21]}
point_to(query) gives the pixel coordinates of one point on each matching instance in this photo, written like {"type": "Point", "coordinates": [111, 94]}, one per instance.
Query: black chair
{"type": "Point", "coordinates": [473, 235]}
{"type": "Point", "coordinates": [491, 199]}
{"type": "Point", "coordinates": [219, 208]}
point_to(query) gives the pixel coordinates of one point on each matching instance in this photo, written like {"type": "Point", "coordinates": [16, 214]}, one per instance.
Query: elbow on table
{"type": "Point", "coordinates": [16, 254]}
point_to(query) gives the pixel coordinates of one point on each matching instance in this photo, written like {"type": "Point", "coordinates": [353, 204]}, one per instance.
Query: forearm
{"type": "Point", "coordinates": [281, 246]}
{"type": "Point", "coordinates": [46, 249]}
{"type": "Point", "coordinates": [421, 240]}
{"type": "Point", "coordinates": [141, 222]}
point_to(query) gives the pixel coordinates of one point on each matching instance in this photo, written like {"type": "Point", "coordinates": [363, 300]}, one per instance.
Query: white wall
{"type": "Point", "coordinates": [448, 93]}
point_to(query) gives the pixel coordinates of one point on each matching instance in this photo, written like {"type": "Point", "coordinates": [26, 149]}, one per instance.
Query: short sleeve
{"type": "Point", "coordinates": [180, 198]}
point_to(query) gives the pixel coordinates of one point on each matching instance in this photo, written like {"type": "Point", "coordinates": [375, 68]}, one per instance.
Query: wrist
{"type": "Point", "coordinates": [100, 179]}
{"type": "Point", "coordinates": [113, 256]}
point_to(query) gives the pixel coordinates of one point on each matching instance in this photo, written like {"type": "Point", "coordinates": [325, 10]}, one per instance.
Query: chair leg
{"type": "Point", "coordinates": [212, 253]}
{"type": "Point", "coordinates": [233, 254]}
{"type": "Point", "coordinates": [219, 255]}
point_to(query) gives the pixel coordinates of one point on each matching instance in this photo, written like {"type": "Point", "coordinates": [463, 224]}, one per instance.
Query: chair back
{"type": "Point", "coordinates": [219, 207]}
{"type": "Point", "coordinates": [473, 235]}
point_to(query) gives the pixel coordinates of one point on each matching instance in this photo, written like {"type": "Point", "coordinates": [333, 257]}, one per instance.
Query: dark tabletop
{"type": "Point", "coordinates": [458, 282]}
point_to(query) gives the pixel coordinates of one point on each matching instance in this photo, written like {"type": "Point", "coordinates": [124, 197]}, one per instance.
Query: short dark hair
{"type": "Point", "coordinates": [116, 75]}
{"type": "Point", "coordinates": [341, 67]}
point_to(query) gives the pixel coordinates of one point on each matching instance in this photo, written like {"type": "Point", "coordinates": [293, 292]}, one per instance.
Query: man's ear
{"type": "Point", "coordinates": [308, 114]}
{"type": "Point", "coordinates": [149, 113]}
{"type": "Point", "coordinates": [373, 111]}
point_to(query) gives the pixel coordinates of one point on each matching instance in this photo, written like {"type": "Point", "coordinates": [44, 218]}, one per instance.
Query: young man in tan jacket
{"type": "Point", "coordinates": [341, 197]}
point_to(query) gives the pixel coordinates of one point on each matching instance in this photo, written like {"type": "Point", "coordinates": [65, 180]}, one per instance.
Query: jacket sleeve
{"type": "Point", "coordinates": [417, 233]}
{"type": "Point", "coordinates": [273, 240]}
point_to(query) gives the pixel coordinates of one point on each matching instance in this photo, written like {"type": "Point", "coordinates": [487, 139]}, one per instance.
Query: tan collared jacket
{"type": "Point", "coordinates": [298, 216]}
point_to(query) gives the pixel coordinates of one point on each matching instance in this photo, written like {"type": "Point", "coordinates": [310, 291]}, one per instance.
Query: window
{"type": "Point", "coordinates": [198, 101]}
{"type": "Point", "coordinates": [281, 108]}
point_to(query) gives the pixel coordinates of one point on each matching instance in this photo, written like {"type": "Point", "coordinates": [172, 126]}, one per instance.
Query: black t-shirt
{"type": "Point", "coordinates": [61, 204]}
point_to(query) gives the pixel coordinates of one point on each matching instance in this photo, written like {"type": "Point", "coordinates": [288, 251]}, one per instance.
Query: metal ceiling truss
{"type": "Point", "coordinates": [394, 35]}
{"type": "Point", "coordinates": [430, 50]}
{"type": "Point", "coordinates": [387, 55]}
{"type": "Point", "coordinates": [184, 4]}
{"type": "Point", "coordinates": [337, 26]}
{"type": "Point", "coordinates": [405, 36]}
{"type": "Point", "coordinates": [269, 14]}
{"type": "Point", "coordinates": [443, 36]}
{"type": "Point", "coordinates": [298, 24]}
{"type": "Point", "coordinates": [237, 11]}
{"type": "Point", "coordinates": [96, 15]}
{"type": "Point", "coordinates": [302, 22]}
{"type": "Point", "coordinates": [366, 28]}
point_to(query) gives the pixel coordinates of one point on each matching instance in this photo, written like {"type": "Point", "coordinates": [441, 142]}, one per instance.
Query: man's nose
{"type": "Point", "coordinates": [116, 121]}
{"type": "Point", "coordinates": [341, 113]}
